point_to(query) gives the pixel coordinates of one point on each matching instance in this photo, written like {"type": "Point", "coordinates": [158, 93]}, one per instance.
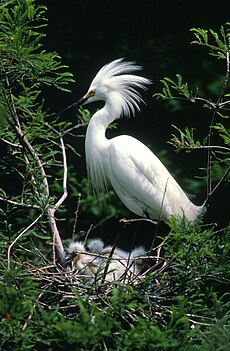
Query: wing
{"type": "Point", "coordinates": [141, 181]}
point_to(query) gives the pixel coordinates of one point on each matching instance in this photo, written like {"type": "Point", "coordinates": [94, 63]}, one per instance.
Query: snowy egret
{"type": "Point", "coordinates": [138, 177]}
{"type": "Point", "coordinates": [100, 263]}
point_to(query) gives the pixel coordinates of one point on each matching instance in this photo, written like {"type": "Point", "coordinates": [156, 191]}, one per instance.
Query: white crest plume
{"type": "Point", "coordinates": [115, 77]}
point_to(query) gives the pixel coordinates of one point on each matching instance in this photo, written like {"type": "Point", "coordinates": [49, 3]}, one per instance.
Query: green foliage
{"type": "Point", "coordinates": [32, 140]}
{"type": "Point", "coordinates": [23, 61]}
{"type": "Point", "coordinates": [197, 255]}
{"type": "Point", "coordinates": [186, 139]}
{"type": "Point", "coordinates": [100, 205]}
{"type": "Point", "coordinates": [182, 89]}
{"type": "Point", "coordinates": [218, 43]}
{"type": "Point", "coordinates": [181, 308]}
{"type": "Point", "coordinates": [217, 141]}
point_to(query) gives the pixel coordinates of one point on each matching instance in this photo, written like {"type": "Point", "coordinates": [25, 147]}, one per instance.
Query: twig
{"type": "Point", "coordinates": [11, 144]}
{"type": "Point", "coordinates": [124, 220]}
{"type": "Point", "coordinates": [21, 204]}
{"type": "Point", "coordinates": [81, 125]}
{"type": "Point", "coordinates": [158, 249]}
{"type": "Point", "coordinates": [76, 216]}
{"type": "Point", "coordinates": [19, 236]}
{"type": "Point", "coordinates": [32, 312]}
{"type": "Point", "coordinates": [57, 242]}
{"type": "Point", "coordinates": [217, 186]}
{"type": "Point", "coordinates": [65, 173]}
{"type": "Point", "coordinates": [224, 103]}
{"type": "Point", "coordinates": [160, 214]}
{"type": "Point", "coordinates": [103, 220]}
{"type": "Point", "coordinates": [88, 232]}
{"type": "Point", "coordinates": [108, 261]}
{"type": "Point", "coordinates": [212, 147]}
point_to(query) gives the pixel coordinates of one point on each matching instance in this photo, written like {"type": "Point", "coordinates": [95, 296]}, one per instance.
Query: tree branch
{"type": "Point", "coordinates": [208, 198]}
{"type": "Point", "coordinates": [15, 124]}
{"type": "Point", "coordinates": [21, 204]}
{"type": "Point", "coordinates": [51, 211]}
{"type": "Point", "coordinates": [19, 236]}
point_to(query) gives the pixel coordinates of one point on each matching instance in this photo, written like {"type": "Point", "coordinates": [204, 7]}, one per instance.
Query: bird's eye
{"type": "Point", "coordinates": [89, 94]}
{"type": "Point", "coordinates": [92, 93]}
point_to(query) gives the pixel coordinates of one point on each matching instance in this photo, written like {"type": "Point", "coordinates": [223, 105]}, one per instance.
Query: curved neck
{"type": "Point", "coordinates": [97, 146]}
{"type": "Point", "coordinates": [101, 120]}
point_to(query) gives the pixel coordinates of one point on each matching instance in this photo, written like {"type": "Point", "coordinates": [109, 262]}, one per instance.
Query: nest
{"type": "Point", "coordinates": [61, 287]}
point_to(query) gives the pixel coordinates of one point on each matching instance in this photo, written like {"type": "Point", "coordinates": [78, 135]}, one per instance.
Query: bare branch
{"type": "Point", "coordinates": [19, 236]}
{"type": "Point", "coordinates": [217, 186]}
{"type": "Point", "coordinates": [224, 103]}
{"type": "Point", "coordinates": [32, 311]}
{"type": "Point", "coordinates": [57, 242]}
{"type": "Point", "coordinates": [123, 220]}
{"type": "Point", "coordinates": [11, 144]}
{"type": "Point", "coordinates": [21, 204]}
{"type": "Point", "coordinates": [81, 125]}
{"type": "Point", "coordinates": [76, 216]}
{"type": "Point", "coordinates": [65, 193]}
{"type": "Point", "coordinates": [212, 147]}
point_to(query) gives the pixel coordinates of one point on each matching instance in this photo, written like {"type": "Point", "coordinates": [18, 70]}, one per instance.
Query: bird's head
{"type": "Point", "coordinates": [115, 84]}
{"type": "Point", "coordinates": [75, 250]}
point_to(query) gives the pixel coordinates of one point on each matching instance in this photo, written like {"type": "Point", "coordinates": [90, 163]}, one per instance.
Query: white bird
{"type": "Point", "coordinates": [138, 177]}
{"type": "Point", "coordinates": [105, 264]}
{"type": "Point", "coordinates": [85, 263]}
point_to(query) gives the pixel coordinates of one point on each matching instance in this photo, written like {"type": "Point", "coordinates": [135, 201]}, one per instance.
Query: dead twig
{"type": "Point", "coordinates": [76, 216]}
{"type": "Point", "coordinates": [20, 204]}
{"type": "Point", "coordinates": [19, 236]}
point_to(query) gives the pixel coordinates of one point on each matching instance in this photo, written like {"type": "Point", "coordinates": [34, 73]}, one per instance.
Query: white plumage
{"type": "Point", "coordinates": [99, 263]}
{"type": "Point", "coordinates": [138, 177]}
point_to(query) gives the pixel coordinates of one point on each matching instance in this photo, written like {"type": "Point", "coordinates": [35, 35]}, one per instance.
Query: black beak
{"type": "Point", "coordinates": [70, 257]}
{"type": "Point", "coordinates": [75, 104]}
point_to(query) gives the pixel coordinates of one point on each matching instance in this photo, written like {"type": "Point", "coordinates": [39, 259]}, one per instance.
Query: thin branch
{"type": "Point", "coordinates": [209, 154]}
{"type": "Point", "coordinates": [65, 193]}
{"type": "Point", "coordinates": [57, 242]}
{"type": "Point", "coordinates": [32, 311]}
{"type": "Point", "coordinates": [76, 216]}
{"type": "Point", "coordinates": [224, 103]}
{"type": "Point", "coordinates": [123, 220]}
{"type": "Point", "coordinates": [88, 233]}
{"type": "Point", "coordinates": [67, 131]}
{"type": "Point", "coordinates": [158, 249]}
{"type": "Point", "coordinates": [19, 236]}
{"type": "Point", "coordinates": [217, 186]}
{"type": "Point", "coordinates": [20, 204]}
{"type": "Point", "coordinates": [11, 144]}
{"type": "Point", "coordinates": [81, 125]}
{"type": "Point", "coordinates": [32, 152]}
{"type": "Point", "coordinates": [102, 221]}
{"type": "Point", "coordinates": [224, 148]}
{"type": "Point", "coordinates": [160, 215]}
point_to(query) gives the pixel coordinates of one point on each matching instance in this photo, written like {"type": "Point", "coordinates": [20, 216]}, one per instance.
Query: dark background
{"type": "Point", "coordinates": [155, 34]}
